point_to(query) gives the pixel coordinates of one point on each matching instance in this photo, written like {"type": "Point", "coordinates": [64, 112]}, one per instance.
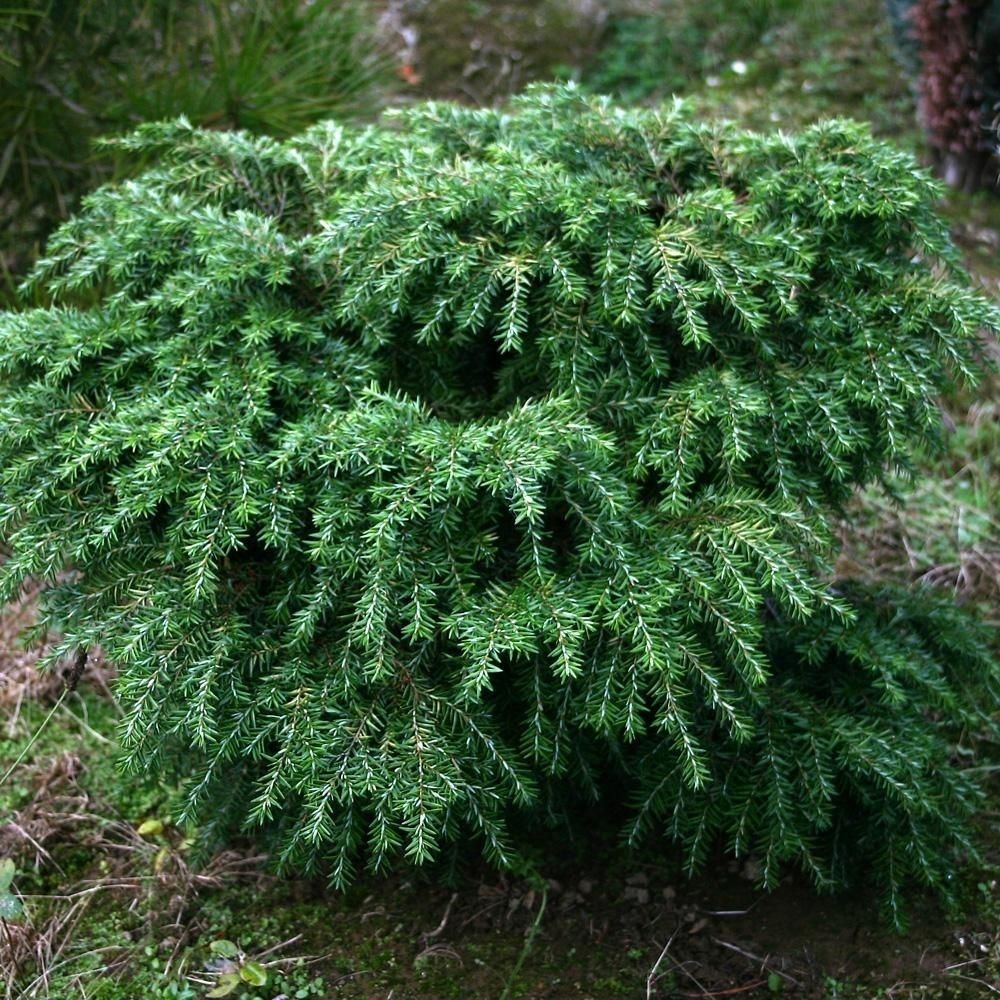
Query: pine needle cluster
{"type": "Point", "coordinates": [430, 478]}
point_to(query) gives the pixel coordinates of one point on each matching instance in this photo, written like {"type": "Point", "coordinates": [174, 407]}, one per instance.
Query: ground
{"type": "Point", "coordinates": [120, 905]}
{"type": "Point", "coordinates": [117, 907]}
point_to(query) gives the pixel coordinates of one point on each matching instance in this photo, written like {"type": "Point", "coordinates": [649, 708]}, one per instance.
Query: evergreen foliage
{"type": "Point", "coordinates": [424, 480]}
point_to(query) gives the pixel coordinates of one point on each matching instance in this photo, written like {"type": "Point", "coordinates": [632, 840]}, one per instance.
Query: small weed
{"type": "Point", "coordinates": [232, 969]}
{"type": "Point", "coordinates": [11, 907]}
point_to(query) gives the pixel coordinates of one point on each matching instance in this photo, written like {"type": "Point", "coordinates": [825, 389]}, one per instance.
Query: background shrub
{"type": "Point", "coordinates": [72, 70]}
{"type": "Point", "coordinates": [669, 47]}
{"type": "Point", "coordinates": [434, 480]}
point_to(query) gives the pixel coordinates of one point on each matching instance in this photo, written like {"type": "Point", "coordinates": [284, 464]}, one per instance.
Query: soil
{"type": "Point", "coordinates": [481, 53]}
{"type": "Point", "coordinates": [609, 933]}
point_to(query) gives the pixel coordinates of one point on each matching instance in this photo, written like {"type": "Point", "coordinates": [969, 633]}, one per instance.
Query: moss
{"type": "Point", "coordinates": [484, 52]}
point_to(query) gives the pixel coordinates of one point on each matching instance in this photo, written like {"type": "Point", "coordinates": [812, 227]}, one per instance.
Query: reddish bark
{"type": "Point", "coordinates": [960, 86]}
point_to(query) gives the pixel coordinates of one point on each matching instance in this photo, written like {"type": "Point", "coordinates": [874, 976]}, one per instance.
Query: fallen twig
{"type": "Point", "coordinates": [429, 936]}
{"type": "Point", "coordinates": [981, 982]}
{"type": "Point", "coordinates": [727, 993]}
{"type": "Point", "coordinates": [756, 958]}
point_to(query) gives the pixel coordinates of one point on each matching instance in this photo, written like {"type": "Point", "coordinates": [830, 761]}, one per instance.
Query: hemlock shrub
{"type": "Point", "coordinates": [480, 468]}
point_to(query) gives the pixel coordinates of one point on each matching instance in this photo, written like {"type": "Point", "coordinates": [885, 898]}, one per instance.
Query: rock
{"type": "Point", "coordinates": [637, 895]}
{"type": "Point", "coordinates": [639, 878]}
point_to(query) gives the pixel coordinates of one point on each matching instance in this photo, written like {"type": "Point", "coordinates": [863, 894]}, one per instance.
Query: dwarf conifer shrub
{"type": "Point", "coordinates": [430, 479]}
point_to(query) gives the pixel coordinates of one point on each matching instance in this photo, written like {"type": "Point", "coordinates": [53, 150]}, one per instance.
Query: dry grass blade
{"type": "Point", "coordinates": [653, 972]}
{"type": "Point", "coordinates": [21, 681]}
{"type": "Point", "coordinates": [56, 810]}
{"type": "Point", "coordinates": [947, 533]}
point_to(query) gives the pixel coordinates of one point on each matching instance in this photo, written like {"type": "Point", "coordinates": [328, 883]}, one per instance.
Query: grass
{"type": "Point", "coordinates": [119, 906]}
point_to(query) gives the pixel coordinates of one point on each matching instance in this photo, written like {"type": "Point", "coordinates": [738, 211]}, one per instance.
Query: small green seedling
{"type": "Point", "coordinates": [11, 906]}
{"type": "Point", "coordinates": [154, 830]}
{"type": "Point", "coordinates": [150, 828]}
{"type": "Point", "coordinates": [234, 969]}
